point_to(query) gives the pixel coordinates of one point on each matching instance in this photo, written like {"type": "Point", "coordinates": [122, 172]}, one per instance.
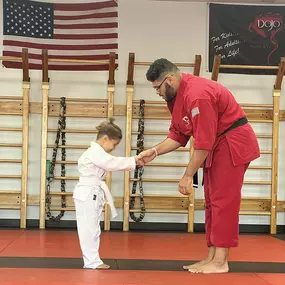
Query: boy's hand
{"type": "Point", "coordinates": [139, 161]}
{"type": "Point", "coordinates": [147, 155]}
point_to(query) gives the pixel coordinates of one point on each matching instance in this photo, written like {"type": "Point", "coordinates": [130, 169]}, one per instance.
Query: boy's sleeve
{"type": "Point", "coordinates": [112, 163]}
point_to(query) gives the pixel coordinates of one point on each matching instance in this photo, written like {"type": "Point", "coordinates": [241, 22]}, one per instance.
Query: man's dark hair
{"type": "Point", "coordinates": [108, 128]}
{"type": "Point", "coordinates": [160, 68]}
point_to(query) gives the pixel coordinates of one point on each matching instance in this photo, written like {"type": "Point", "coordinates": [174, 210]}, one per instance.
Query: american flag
{"type": "Point", "coordinates": [67, 30]}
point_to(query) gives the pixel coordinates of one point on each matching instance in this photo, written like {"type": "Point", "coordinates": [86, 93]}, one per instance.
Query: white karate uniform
{"type": "Point", "coordinates": [90, 195]}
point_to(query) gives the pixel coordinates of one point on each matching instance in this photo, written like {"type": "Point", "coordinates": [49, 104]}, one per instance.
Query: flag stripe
{"type": "Point", "coordinates": [85, 37]}
{"type": "Point", "coordinates": [86, 21]}
{"type": "Point", "coordinates": [87, 31]}
{"type": "Point", "coordinates": [87, 12]}
{"type": "Point", "coordinates": [62, 47]}
{"type": "Point", "coordinates": [87, 26]}
{"type": "Point", "coordinates": [62, 52]}
{"type": "Point", "coordinates": [85, 6]}
{"type": "Point", "coordinates": [66, 42]}
{"type": "Point", "coordinates": [89, 16]}
{"type": "Point", "coordinates": [39, 56]}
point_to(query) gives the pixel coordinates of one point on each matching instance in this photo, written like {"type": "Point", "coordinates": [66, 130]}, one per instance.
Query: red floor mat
{"type": "Point", "coordinates": [80, 277]}
{"type": "Point", "coordinates": [139, 246]}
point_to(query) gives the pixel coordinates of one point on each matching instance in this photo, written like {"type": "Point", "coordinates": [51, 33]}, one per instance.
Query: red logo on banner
{"type": "Point", "coordinates": [268, 25]}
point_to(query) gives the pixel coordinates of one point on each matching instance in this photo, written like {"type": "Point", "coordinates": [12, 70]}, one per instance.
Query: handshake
{"type": "Point", "coordinates": [145, 157]}
{"type": "Point", "coordinates": [148, 155]}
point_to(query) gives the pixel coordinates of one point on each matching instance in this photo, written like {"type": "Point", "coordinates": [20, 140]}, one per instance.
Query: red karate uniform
{"type": "Point", "coordinates": [205, 109]}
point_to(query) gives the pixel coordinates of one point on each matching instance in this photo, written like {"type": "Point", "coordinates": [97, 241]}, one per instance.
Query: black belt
{"type": "Point", "coordinates": [235, 125]}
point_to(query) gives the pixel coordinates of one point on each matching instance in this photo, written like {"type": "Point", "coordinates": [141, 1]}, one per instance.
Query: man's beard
{"type": "Point", "coordinates": [170, 93]}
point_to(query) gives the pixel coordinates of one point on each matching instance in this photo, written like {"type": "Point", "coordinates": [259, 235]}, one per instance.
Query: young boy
{"type": "Point", "coordinates": [91, 191]}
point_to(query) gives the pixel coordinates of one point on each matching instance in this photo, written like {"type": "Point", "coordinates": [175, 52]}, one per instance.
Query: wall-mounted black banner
{"type": "Point", "coordinates": [246, 35]}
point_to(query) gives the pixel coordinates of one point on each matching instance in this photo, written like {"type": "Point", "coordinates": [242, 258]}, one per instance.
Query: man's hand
{"type": "Point", "coordinates": [184, 184]}
{"type": "Point", "coordinates": [146, 156]}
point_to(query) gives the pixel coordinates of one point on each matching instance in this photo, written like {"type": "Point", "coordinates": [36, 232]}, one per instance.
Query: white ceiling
{"type": "Point", "coordinates": [233, 1]}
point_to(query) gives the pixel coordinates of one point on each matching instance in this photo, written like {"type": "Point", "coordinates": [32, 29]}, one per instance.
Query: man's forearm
{"type": "Point", "coordinates": [166, 146]}
{"type": "Point", "coordinates": [196, 161]}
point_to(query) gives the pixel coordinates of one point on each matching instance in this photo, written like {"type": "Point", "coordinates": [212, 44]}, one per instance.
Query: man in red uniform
{"type": "Point", "coordinates": [225, 144]}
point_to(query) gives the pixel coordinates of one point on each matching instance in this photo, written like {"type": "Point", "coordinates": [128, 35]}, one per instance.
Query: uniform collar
{"type": "Point", "coordinates": [182, 85]}
{"type": "Point", "coordinates": [95, 144]}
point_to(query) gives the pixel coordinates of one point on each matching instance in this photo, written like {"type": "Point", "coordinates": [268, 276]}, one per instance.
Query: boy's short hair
{"type": "Point", "coordinates": [109, 129]}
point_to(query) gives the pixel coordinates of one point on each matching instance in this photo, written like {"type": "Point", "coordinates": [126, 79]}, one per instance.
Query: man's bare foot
{"type": "Point", "coordinates": [211, 267]}
{"type": "Point", "coordinates": [210, 257]}
{"type": "Point", "coordinates": [103, 266]}
{"type": "Point", "coordinates": [197, 264]}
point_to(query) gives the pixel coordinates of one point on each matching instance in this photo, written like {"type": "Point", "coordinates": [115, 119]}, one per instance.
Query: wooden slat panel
{"type": "Point", "coordinates": [255, 213]}
{"type": "Point", "coordinates": [66, 178]}
{"type": "Point", "coordinates": [74, 131]}
{"type": "Point", "coordinates": [10, 160]}
{"type": "Point", "coordinates": [80, 110]}
{"type": "Point", "coordinates": [120, 110]}
{"type": "Point", "coordinates": [179, 149]}
{"type": "Point", "coordinates": [91, 110]}
{"type": "Point", "coordinates": [11, 98]}
{"type": "Point", "coordinates": [70, 146]}
{"type": "Point", "coordinates": [177, 180]}
{"type": "Point", "coordinates": [10, 145]}
{"type": "Point", "coordinates": [152, 111]}
{"type": "Point", "coordinates": [10, 207]}
{"type": "Point", "coordinates": [81, 100]}
{"type": "Point", "coordinates": [267, 121]}
{"type": "Point", "coordinates": [11, 108]}
{"type": "Point", "coordinates": [62, 209]}
{"type": "Point", "coordinates": [282, 115]}
{"type": "Point", "coordinates": [165, 211]}
{"type": "Point", "coordinates": [264, 136]}
{"type": "Point", "coordinates": [166, 165]}
{"type": "Point", "coordinates": [11, 129]}
{"type": "Point", "coordinates": [10, 176]}
{"type": "Point", "coordinates": [248, 105]}
{"type": "Point", "coordinates": [280, 206]}
{"type": "Point", "coordinates": [163, 112]}
{"type": "Point", "coordinates": [260, 167]}
{"type": "Point", "coordinates": [66, 162]}
{"type": "Point", "coordinates": [10, 198]}
{"type": "Point", "coordinates": [13, 192]}
{"type": "Point", "coordinates": [247, 204]}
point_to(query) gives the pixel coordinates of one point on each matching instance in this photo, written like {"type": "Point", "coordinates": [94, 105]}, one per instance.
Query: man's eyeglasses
{"type": "Point", "coordinates": [158, 87]}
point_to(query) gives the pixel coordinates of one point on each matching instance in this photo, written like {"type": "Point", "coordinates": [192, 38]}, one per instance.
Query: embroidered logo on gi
{"type": "Point", "coordinates": [186, 120]}
{"type": "Point", "coordinates": [195, 112]}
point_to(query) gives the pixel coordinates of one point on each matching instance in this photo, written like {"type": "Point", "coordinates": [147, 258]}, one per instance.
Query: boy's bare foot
{"type": "Point", "coordinates": [210, 257]}
{"type": "Point", "coordinates": [211, 267]}
{"type": "Point", "coordinates": [103, 266]}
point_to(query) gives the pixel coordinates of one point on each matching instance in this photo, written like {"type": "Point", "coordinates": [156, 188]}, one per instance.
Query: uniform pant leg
{"type": "Point", "coordinates": [208, 209]}
{"type": "Point", "coordinates": [88, 215]}
{"type": "Point", "coordinates": [225, 184]}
